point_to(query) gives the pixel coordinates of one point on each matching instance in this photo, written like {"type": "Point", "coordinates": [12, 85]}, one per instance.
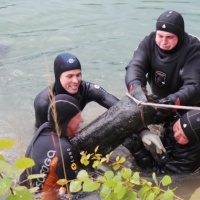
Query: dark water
{"type": "Point", "coordinates": [102, 34]}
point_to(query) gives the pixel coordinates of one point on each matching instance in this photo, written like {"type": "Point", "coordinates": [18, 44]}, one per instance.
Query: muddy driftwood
{"type": "Point", "coordinates": [111, 128]}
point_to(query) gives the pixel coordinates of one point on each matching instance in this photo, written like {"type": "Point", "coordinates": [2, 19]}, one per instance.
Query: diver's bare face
{"type": "Point", "coordinates": [71, 80]}
{"type": "Point", "coordinates": [179, 134]}
{"type": "Point", "coordinates": [73, 125]}
{"type": "Point", "coordinates": [165, 40]}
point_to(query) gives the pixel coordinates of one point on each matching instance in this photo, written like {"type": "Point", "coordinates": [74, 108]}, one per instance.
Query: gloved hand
{"type": "Point", "coordinates": [153, 98]}
{"type": "Point", "coordinates": [162, 112]}
{"type": "Point", "coordinates": [149, 138]}
{"type": "Point", "coordinates": [132, 86]}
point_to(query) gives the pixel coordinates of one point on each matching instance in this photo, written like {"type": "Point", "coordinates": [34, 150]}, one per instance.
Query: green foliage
{"type": "Point", "coordinates": [116, 184]}
{"type": "Point", "coordinates": [6, 143]}
{"type": "Point", "coordinates": [9, 173]}
{"type": "Point", "coordinates": [121, 182]}
{"type": "Point", "coordinates": [97, 159]}
{"type": "Point", "coordinates": [5, 184]}
{"type": "Point", "coordinates": [23, 163]}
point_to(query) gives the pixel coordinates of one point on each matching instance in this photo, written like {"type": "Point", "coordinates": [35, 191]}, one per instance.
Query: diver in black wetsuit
{"type": "Point", "coordinates": [45, 146]}
{"type": "Point", "coordinates": [68, 80]}
{"type": "Point", "coordinates": [181, 140]}
{"type": "Point", "coordinates": [169, 60]}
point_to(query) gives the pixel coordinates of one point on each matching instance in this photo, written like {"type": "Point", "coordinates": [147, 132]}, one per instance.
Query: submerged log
{"type": "Point", "coordinates": [110, 129]}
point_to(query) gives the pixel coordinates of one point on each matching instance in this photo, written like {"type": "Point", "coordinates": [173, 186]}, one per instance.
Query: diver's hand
{"type": "Point", "coordinates": [149, 138]}
{"type": "Point", "coordinates": [163, 113]}
{"type": "Point", "coordinates": [133, 86]}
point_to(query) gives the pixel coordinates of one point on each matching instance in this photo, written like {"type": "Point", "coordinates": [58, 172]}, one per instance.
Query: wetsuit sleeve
{"type": "Point", "coordinates": [189, 92]}
{"type": "Point", "coordinates": [182, 159]}
{"type": "Point", "coordinates": [41, 104]}
{"type": "Point", "coordinates": [142, 156]}
{"type": "Point", "coordinates": [99, 95]}
{"type": "Point", "coordinates": [137, 68]}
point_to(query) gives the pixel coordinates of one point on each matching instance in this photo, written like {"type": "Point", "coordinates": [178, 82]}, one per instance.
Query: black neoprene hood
{"type": "Point", "coordinates": [190, 123]}
{"type": "Point", "coordinates": [172, 22]}
{"type": "Point", "coordinates": [66, 108]}
{"type": "Point", "coordinates": [65, 62]}
{"type": "Point", "coordinates": [62, 63]}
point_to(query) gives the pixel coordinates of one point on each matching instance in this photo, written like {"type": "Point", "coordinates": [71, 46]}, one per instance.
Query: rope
{"type": "Point", "coordinates": [162, 105]}
{"type": "Point", "coordinates": [142, 114]}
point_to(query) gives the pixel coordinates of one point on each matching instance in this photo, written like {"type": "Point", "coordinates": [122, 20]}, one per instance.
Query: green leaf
{"type": "Point", "coordinates": [121, 191]}
{"type": "Point", "coordinates": [62, 182]}
{"type": "Point", "coordinates": [96, 149]}
{"type": "Point", "coordinates": [6, 143]}
{"type": "Point", "coordinates": [117, 178]}
{"type": "Point", "coordinates": [156, 190]}
{"type": "Point", "coordinates": [102, 179]}
{"type": "Point", "coordinates": [130, 195]}
{"type": "Point", "coordinates": [151, 196]}
{"type": "Point", "coordinates": [111, 196]}
{"type": "Point", "coordinates": [166, 180]}
{"type": "Point", "coordinates": [35, 176]}
{"type": "Point", "coordinates": [96, 164]}
{"type": "Point", "coordinates": [143, 191]}
{"type": "Point", "coordinates": [116, 167]}
{"type": "Point", "coordinates": [75, 186]}
{"type": "Point", "coordinates": [13, 197]}
{"type": "Point", "coordinates": [126, 173]}
{"type": "Point", "coordinates": [154, 178]}
{"type": "Point", "coordinates": [34, 189]}
{"type": "Point", "coordinates": [105, 191]}
{"type": "Point", "coordinates": [96, 186]}
{"type": "Point", "coordinates": [108, 155]}
{"type": "Point", "coordinates": [103, 160]}
{"type": "Point", "coordinates": [24, 194]}
{"type": "Point", "coordinates": [97, 156]}
{"type": "Point", "coordinates": [109, 174]}
{"type": "Point", "coordinates": [4, 166]}
{"type": "Point", "coordinates": [86, 162]}
{"type": "Point", "coordinates": [117, 158]}
{"type": "Point", "coordinates": [149, 183]}
{"type": "Point", "coordinates": [18, 188]}
{"type": "Point", "coordinates": [122, 160]}
{"type": "Point", "coordinates": [5, 184]}
{"type": "Point", "coordinates": [118, 187]}
{"type": "Point", "coordinates": [135, 178]}
{"type": "Point", "coordinates": [109, 183]}
{"type": "Point", "coordinates": [82, 174]}
{"type": "Point", "coordinates": [168, 195]}
{"type": "Point", "coordinates": [23, 163]}
{"type": "Point", "coordinates": [90, 186]}
{"type": "Point", "coordinates": [160, 196]}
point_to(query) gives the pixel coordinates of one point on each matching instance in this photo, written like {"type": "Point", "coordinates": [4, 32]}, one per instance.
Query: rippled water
{"type": "Point", "coordinates": [102, 34]}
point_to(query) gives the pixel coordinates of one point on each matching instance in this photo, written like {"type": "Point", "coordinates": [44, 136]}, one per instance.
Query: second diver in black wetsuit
{"type": "Point", "coordinates": [68, 80]}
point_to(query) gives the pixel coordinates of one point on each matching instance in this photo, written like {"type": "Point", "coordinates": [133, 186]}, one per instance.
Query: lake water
{"type": "Point", "coordinates": [102, 34]}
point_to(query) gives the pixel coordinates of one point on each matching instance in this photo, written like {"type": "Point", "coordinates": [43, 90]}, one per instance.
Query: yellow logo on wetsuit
{"type": "Point", "coordinates": [73, 166]}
